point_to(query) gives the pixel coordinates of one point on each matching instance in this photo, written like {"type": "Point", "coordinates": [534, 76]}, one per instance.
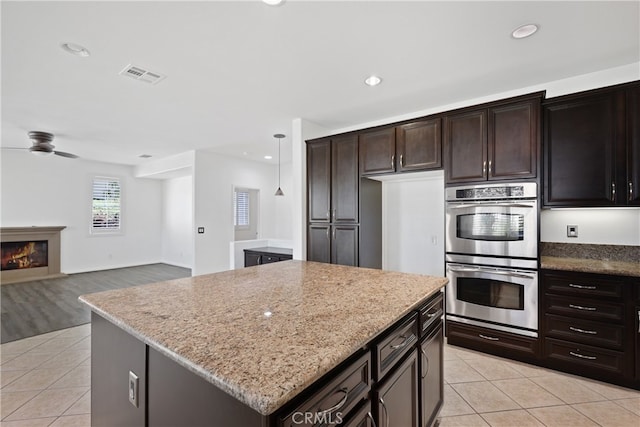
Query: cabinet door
{"type": "Point", "coordinates": [579, 151]}
{"type": "Point", "coordinates": [466, 146]}
{"type": "Point", "coordinates": [251, 259]}
{"type": "Point", "coordinates": [513, 140]}
{"type": "Point", "coordinates": [637, 335]}
{"type": "Point", "coordinates": [344, 179]}
{"type": "Point", "coordinates": [632, 185]}
{"type": "Point", "coordinates": [318, 243]}
{"type": "Point", "coordinates": [344, 245]}
{"type": "Point", "coordinates": [431, 376]}
{"type": "Point", "coordinates": [377, 151]}
{"type": "Point", "coordinates": [319, 180]}
{"type": "Point", "coordinates": [419, 145]}
{"type": "Point", "coordinates": [397, 399]}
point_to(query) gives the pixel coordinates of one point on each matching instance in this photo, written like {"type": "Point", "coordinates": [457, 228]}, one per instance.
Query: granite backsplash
{"type": "Point", "coordinates": [591, 251]}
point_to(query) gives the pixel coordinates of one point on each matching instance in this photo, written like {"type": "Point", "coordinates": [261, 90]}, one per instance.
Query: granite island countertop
{"type": "Point", "coordinates": [263, 334]}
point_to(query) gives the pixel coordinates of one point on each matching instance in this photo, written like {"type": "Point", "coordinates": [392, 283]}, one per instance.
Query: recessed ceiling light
{"type": "Point", "coordinates": [75, 49]}
{"type": "Point", "coordinates": [268, 157]}
{"type": "Point", "coordinates": [273, 2]}
{"type": "Point", "coordinates": [524, 31]}
{"type": "Point", "coordinates": [372, 81]}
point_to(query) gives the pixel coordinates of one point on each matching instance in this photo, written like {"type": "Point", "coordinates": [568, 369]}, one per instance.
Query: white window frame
{"type": "Point", "coordinates": [115, 228]}
{"type": "Point", "coordinates": [247, 209]}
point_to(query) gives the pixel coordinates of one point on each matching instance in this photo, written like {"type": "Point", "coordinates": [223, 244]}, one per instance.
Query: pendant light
{"type": "Point", "coordinates": [279, 190]}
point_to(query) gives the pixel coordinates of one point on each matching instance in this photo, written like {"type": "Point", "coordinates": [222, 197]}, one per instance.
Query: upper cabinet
{"type": "Point", "coordinates": [332, 168]}
{"type": "Point", "coordinates": [497, 142]}
{"type": "Point", "coordinates": [592, 148]}
{"type": "Point", "coordinates": [404, 148]}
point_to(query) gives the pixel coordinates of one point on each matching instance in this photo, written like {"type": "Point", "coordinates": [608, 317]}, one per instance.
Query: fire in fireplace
{"type": "Point", "coordinates": [20, 255]}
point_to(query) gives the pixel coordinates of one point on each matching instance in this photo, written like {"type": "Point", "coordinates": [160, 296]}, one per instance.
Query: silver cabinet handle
{"type": "Point", "coordinates": [372, 420]}
{"type": "Point", "coordinates": [337, 405]}
{"type": "Point", "coordinates": [334, 213]}
{"type": "Point", "coordinates": [581, 356]}
{"type": "Point", "coordinates": [402, 344]}
{"type": "Point", "coordinates": [393, 161]}
{"type": "Point", "coordinates": [328, 214]}
{"type": "Point", "coordinates": [639, 321]}
{"type": "Point", "coordinates": [583, 331]}
{"type": "Point", "coordinates": [259, 259]}
{"type": "Point", "coordinates": [489, 338]}
{"type": "Point", "coordinates": [572, 285]}
{"type": "Point", "coordinates": [401, 160]}
{"type": "Point", "coordinates": [492, 205]}
{"type": "Point", "coordinates": [386, 413]}
{"type": "Point", "coordinates": [484, 167]}
{"type": "Point", "coordinates": [334, 233]}
{"type": "Point", "coordinates": [613, 191]}
{"type": "Point", "coordinates": [630, 190]}
{"type": "Point", "coordinates": [579, 307]}
{"type": "Point", "coordinates": [426, 359]}
{"type": "Point", "coordinates": [489, 167]}
{"type": "Point", "coordinates": [328, 232]}
{"type": "Point", "coordinates": [491, 271]}
{"type": "Point", "coordinates": [430, 315]}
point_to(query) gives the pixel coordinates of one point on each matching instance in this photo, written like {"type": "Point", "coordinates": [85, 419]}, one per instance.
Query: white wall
{"type": "Point", "coordinates": [213, 181]}
{"type": "Point", "coordinates": [595, 226]}
{"type": "Point", "coordinates": [57, 191]}
{"type": "Point", "coordinates": [177, 221]}
{"type": "Point", "coordinates": [413, 223]}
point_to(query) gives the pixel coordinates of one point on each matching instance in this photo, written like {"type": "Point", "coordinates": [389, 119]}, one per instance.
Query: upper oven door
{"type": "Point", "coordinates": [500, 228]}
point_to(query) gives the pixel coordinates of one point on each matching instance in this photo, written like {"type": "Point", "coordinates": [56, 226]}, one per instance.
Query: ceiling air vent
{"type": "Point", "coordinates": [141, 74]}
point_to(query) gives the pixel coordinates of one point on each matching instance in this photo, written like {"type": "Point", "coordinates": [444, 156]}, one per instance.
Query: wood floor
{"type": "Point", "coordinates": [33, 308]}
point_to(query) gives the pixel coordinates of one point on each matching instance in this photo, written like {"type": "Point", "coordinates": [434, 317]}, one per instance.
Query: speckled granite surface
{"type": "Point", "coordinates": [606, 259]}
{"type": "Point", "coordinates": [218, 326]}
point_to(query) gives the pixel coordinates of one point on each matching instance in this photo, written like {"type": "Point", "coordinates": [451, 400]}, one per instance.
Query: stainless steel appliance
{"type": "Point", "coordinates": [491, 260]}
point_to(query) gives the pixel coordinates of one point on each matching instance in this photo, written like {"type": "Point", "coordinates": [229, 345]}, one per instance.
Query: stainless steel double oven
{"type": "Point", "coordinates": [492, 256]}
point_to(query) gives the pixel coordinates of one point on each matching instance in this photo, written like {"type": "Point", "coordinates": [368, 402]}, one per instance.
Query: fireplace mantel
{"type": "Point", "coordinates": [51, 234]}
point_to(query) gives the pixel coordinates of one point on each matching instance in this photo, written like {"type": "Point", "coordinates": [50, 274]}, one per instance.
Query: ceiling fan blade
{"type": "Point", "coordinates": [63, 154]}
{"type": "Point", "coordinates": [15, 148]}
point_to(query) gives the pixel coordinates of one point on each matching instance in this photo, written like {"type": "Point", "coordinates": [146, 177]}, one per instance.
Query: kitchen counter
{"type": "Point", "coordinates": [617, 260]}
{"type": "Point", "coordinates": [263, 334]}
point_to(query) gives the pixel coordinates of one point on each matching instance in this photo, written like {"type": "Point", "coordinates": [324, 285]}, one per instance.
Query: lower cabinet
{"type": "Point", "coordinates": [431, 376]}
{"type": "Point", "coordinates": [266, 255]}
{"type": "Point", "coordinates": [335, 244]}
{"type": "Point", "coordinates": [396, 398]}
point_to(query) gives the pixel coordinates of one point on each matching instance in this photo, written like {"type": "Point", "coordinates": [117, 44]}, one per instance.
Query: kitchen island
{"type": "Point", "coordinates": [276, 344]}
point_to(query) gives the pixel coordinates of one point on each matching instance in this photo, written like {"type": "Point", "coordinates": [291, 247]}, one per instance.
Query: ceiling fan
{"type": "Point", "coordinates": [42, 145]}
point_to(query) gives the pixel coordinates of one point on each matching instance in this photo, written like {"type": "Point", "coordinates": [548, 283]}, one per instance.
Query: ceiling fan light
{"type": "Point", "coordinates": [37, 151]}
{"type": "Point", "coordinates": [273, 2]}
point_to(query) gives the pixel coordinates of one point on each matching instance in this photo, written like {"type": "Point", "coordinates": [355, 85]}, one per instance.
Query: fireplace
{"type": "Point", "coordinates": [29, 253]}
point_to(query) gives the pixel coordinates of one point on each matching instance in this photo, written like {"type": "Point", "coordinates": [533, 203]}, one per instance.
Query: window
{"type": "Point", "coordinates": [106, 205]}
{"type": "Point", "coordinates": [241, 209]}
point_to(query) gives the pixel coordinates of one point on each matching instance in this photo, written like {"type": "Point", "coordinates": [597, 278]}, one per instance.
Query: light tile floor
{"type": "Point", "coordinates": [45, 381]}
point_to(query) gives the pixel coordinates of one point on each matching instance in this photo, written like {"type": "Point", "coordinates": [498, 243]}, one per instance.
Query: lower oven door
{"type": "Point", "coordinates": [506, 299]}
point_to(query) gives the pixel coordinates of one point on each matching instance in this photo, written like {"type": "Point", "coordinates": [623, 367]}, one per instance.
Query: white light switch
{"type": "Point", "coordinates": [133, 389]}
{"type": "Point", "coordinates": [572, 231]}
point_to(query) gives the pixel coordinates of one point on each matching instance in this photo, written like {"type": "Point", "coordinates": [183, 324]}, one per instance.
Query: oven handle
{"type": "Point", "coordinates": [485, 270]}
{"type": "Point", "coordinates": [490, 205]}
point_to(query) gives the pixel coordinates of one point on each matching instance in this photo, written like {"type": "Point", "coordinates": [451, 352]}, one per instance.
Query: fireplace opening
{"type": "Point", "coordinates": [23, 255]}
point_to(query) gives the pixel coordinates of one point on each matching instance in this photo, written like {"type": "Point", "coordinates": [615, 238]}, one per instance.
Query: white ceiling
{"type": "Point", "coordinates": [240, 71]}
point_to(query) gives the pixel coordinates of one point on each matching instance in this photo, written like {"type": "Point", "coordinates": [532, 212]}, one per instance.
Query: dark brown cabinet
{"type": "Point", "coordinates": [592, 148]}
{"type": "Point", "coordinates": [266, 255]}
{"type": "Point", "coordinates": [586, 325]}
{"type": "Point", "coordinates": [406, 148]}
{"type": "Point", "coordinates": [431, 376]}
{"type": "Point", "coordinates": [496, 142]}
{"type": "Point", "coordinates": [397, 398]}
{"type": "Point", "coordinates": [335, 244]}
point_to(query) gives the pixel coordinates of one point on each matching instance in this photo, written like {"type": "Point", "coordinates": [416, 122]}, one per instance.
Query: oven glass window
{"type": "Point", "coordinates": [490, 226]}
{"type": "Point", "coordinates": [490, 293]}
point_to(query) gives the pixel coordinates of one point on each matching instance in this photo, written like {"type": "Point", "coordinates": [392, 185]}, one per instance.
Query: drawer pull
{"type": "Point", "coordinates": [386, 413]}
{"type": "Point", "coordinates": [489, 338]}
{"type": "Point", "coordinates": [430, 315]}
{"type": "Point", "coordinates": [588, 287]}
{"type": "Point", "coordinates": [581, 356]}
{"type": "Point", "coordinates": [583, 331]}
{"type": "Point", "coordinates": [337, 405]}
{"type": "Point", "coordinates": [579, 307]}
{"type": "Point", "coordinates": [425, 359]}
{"type": "Point", "coordinates": [372, 420]}
{"type": "Point", "coordinates": [402, 344]}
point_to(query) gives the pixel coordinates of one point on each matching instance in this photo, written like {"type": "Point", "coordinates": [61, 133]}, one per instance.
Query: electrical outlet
{"type": "Point", "coordinates": [572, 231]}
{"type": "Point", "coordinates": [133, 389]}
{"type": "Point", "coordinates": [200, 230]}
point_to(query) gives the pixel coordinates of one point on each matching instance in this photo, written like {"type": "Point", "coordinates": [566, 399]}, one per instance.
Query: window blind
{"type": "Point", "coordinates": [241, 208]}
{"type": "Point", "coordinates": [106, 204]}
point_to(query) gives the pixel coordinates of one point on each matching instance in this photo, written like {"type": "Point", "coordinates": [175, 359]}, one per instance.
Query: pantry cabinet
{"type": "Point", "coordinates": [497, 141]}
{"type": "Point", "coordinates": [592, 148]}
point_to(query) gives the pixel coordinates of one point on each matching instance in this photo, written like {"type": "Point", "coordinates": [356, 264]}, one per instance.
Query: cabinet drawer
{"type": "Point", "coordinates": [584, 331]}
{"type": "Point", "coordinates": [504, 344]}
{"type": "Point", "coordinates": [580, 356]}
{"type": "Point", "coordinates": [584, 308]}
{"type": "Point", "coordinates": [339, 396]}
{"type": "Point", "coordinates": [266, 259]}
{"type": "Point", "coordinates": [583, 286]}
{"type": "Point", "coordinates": [361, 417]}
{"type": "Point", "coordinates": [392, 347]}
{"type": "Point", "coordinates": [431, 313]}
